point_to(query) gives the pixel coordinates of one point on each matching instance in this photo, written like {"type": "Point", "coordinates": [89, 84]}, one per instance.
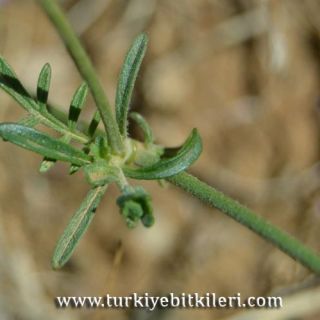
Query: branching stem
{"type": "Point", "coordinates": [86, 69]}
{"type": "Point", "coordinates": [187, 182]}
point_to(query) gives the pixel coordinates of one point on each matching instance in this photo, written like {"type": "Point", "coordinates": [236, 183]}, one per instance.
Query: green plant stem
{"type": "Point", "coordinates": [240, 213]}
{"type": "Point", "coordinates": [86, 69]}
{"type": "Point", "coordinates": [246, 217]}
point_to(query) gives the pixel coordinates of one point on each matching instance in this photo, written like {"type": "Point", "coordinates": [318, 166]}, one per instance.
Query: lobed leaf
{"type": "Point", "coordinates": [44, 85]}
{"type": "Point", "coordinates": [127, 78]}
{"type": "Point", "coordinates": [143, 124]}
{"type": "Point", "coordinates": [76, 105]}
{"type": "Point", "coordinates": [76, 227]}
{"type": "Point", "coordinates": [42, 143]}
{"type": "Point", "coordinates": [187, 155]}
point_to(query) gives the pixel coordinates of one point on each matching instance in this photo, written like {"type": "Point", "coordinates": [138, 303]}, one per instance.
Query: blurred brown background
{"type": "Point", "coordinates": [246, 73]}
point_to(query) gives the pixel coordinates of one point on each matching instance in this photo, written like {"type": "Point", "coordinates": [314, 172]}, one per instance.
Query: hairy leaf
{"type": "Point", "coordinates": [77, 103]}
{"type": "Point", "coordinates": [30, 121]}
{"type": "Point", "coordinates": [10, 83]}
{"type": "Point", "coordinates": [44, 85]}
{"type": "Point", "coordinates": [187, 155]}
{"type": "Point", "coordinates": [100, 148]}
{"type": "Point", "coordinates": [42, 143]}
{"type": "Point", "coordinates": [146, 157]}
{"type": "Point", "coordinates": [76, 227]}
{"type": "Point", "coordinates": [127, 79]}
{"type": "Point", "coordinates": [100, 173]}
{"type": "Point", "coordinates": [143, 124]}
{"type": "Point", "coordinates": [48, 163]}
{"type": "Point", "coordinates": [94, 124]}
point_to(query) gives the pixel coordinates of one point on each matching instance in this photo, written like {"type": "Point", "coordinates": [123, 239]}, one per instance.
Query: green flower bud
{"type": "Point", "coordinates": [135, 204]}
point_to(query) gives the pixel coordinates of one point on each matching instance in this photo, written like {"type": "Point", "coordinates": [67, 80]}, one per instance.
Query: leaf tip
{"type": "Point", "coordinates": [47, 67]}
{"type": "Point", "coordinates": [56, 263]}
{"type": "Point", "coordinates": [143, 37]}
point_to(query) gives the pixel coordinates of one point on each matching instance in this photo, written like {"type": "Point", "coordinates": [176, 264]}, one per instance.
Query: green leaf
{"type": "Point", "coordinates": [148, 156]}
{"type": "Point", "coordinates": [73, 169]}
{"type": "Point", "coordinates": [143, 124]}
{"type": "Point", "coordinates": [127, 78]}
{"type": "Point", "coordinates": [94, 124]}
{"type": "Point", "coordinates": [76, 105]}
{"type": "Point", "coordinates": [48, 163]}
{"type": "Point", "coordinates": [30, 121]}
{"type": "Point", "coordinates": [10, 83]}
{"type": "Point", "coordinates": [186, 156]}
{"type": "Point", "coordinates": [100, 173]}
{"type": "Point", "coordinates": [42, 143]}
{"type": "Point", "coordinates": [44, 85]}
{"type": "Point", "coordinates": [100, 148]}
{"type": "Point", "coordinates": [74, 112]}
{"type": "Point", "coordinates": [76, 227]}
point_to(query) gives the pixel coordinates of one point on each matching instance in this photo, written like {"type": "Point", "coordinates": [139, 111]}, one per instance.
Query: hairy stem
{"type": "Point", "coordinates": [86, 69]}
{"type": "Point", "coordinates": [243, 215]}
{"type": "Point", "coordinates": [240, 213]}
{"type": "Point", "coordinates": [246, 217]}
{"type": "Point", "coordinates": [187, 182]}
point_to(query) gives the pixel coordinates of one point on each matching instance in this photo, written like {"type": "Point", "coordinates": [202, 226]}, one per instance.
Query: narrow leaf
{"type": "Point", "coordinates": [10, 83]}
{"type": "Point", "coordinates": [76, 227]}
{"type": "Point", "coordinates": [30, 121]}
{"type": "Point", "coordinates": [100, 148]}
{"type": "Point", "coordinates": [44, 85]}
{"type": "Point", "coordinates": [143, 124]}
{"type": "Point", "coordinates": [186, 156]}
{"type": "Point", "coordinates": [100, 173]}
{"type": "Point", "coordinates": [42, 143]}
{"type": "Point", "coordinates": [76, 105]}
{"type": "Point", "coordinates": [48, 163]}
{"type": "Point", "coordinates": [94, 124]}
{"type": "Point", "coordinates": [127, 78]}
{"type": "Point", "coordinates": [73, 169]}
